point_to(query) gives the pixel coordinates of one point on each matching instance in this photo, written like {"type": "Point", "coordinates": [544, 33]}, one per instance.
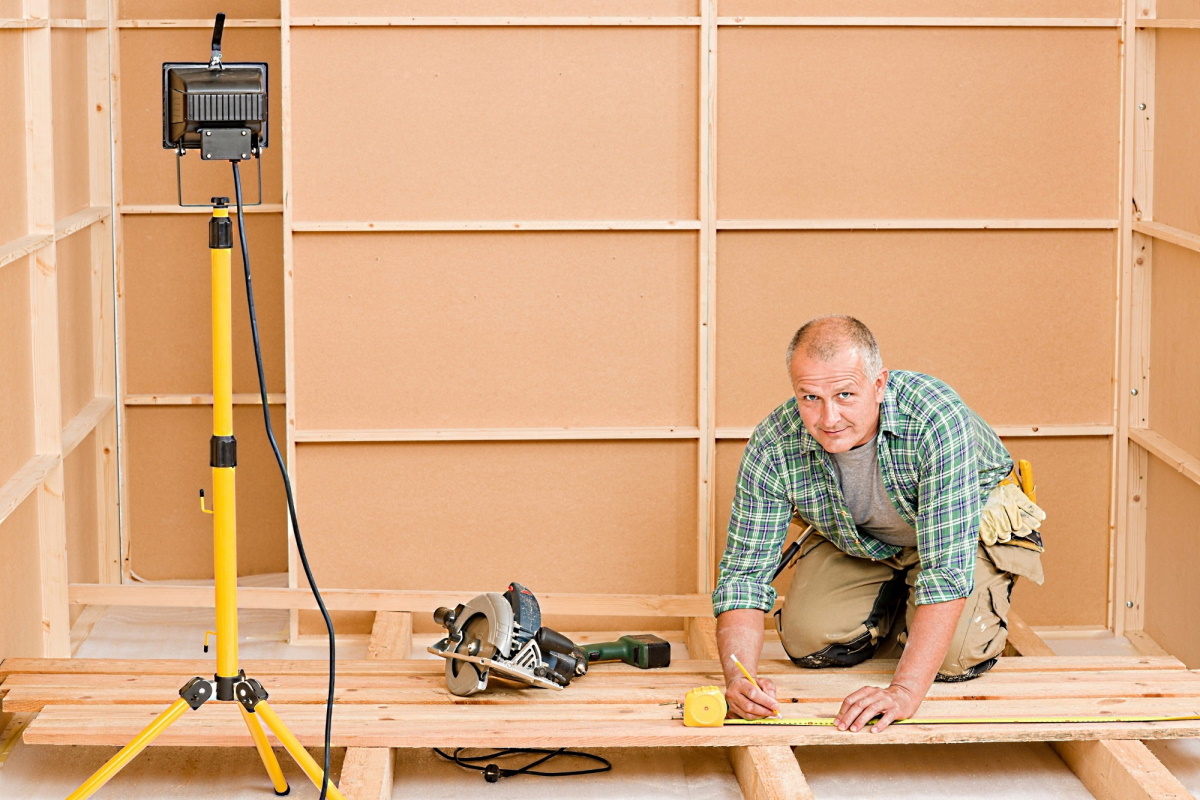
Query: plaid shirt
{"type": "Point", "coordinates": [938, 458]}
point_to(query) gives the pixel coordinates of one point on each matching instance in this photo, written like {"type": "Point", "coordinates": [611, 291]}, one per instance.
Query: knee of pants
{"type": "Point", "coordinates": [809, 643]}
{"type": "Point", "coordinates": [981, 633]}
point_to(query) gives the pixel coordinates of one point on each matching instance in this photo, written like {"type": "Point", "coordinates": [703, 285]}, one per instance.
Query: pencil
{"type": "Point", "coordinates": [750, 678]}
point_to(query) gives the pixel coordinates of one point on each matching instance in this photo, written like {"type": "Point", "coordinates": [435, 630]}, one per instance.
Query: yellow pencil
{"type": "Point", "coordinates": [750, 678]}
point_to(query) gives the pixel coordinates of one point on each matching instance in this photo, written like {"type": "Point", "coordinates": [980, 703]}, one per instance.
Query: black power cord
{"type": "Point", "coordinates": [494, 772]}
{"type": "Point", "coordinates": [287, 483]}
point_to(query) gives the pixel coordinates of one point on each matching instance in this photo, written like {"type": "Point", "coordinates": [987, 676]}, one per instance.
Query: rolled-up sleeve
{"type": "Point", "coordinates": [758, 525]}
{"type": "Point", "coordinates": [949, 503]}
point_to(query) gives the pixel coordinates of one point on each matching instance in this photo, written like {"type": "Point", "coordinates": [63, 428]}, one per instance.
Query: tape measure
{"type": "Point", "coordinates": [705, 707]}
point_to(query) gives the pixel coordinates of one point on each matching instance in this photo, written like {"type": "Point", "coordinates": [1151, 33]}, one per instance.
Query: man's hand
{"type": "Point", "coordinates": [749, 703]}
{"type": "Point", "coordinates": [890, 704]}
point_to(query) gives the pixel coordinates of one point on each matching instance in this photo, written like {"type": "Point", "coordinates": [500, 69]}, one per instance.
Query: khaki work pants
{"type": "Point", "coordinates": [841, 610]}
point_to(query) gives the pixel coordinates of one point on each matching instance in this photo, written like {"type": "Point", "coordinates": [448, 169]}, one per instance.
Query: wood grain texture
{"type": "Point", "coordinates": [769, 773]}
{"type": "Point", "coordinates": [923, 8]}
{"type": "Point", "coordinates": [391, 636]}
{"type": "Point", "coordinates": [367, 773]}
{"type": "Point", "coordinates": [1024, 640]}
{"type": "Point", "coordinates": [515, 8]}
{"type": "Point", "coordinates": [20, 575]}
{"type": "Point", "coordinates": [14, 217]}
{"type": "Point", "coordinates": [1120, 770]}
{"type": "Point", "coordinates": [16, 364]}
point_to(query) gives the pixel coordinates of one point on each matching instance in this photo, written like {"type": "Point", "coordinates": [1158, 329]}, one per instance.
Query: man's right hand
{"type": "Point", "coordinates": [749, 703]}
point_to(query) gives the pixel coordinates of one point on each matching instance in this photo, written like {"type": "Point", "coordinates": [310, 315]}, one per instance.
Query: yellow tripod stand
{"type": "Point", "coordinates": [230, 683]}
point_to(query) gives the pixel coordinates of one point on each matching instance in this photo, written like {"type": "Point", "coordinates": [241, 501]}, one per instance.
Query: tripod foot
{"type": "Point", "coordinates": [284, 793]}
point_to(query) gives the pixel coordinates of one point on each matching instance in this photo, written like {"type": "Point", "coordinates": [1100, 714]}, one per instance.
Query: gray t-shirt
{"type": "Point", "coordinates": [861, 481]}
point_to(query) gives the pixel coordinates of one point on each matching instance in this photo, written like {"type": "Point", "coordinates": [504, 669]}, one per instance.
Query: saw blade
{"type": "Point", "coordinates": [463, 678]}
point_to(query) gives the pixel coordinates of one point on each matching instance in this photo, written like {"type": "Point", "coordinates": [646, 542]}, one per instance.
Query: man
{"type": "Point", "coordinates": [901, 481]}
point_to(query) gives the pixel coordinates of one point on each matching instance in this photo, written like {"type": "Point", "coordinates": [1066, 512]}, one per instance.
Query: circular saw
{"type": "Point", "coordinates": [504, 633]}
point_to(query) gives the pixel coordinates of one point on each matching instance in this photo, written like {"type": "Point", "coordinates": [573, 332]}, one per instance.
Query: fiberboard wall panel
{"type": "Point", "coordinates": [21, 622]}
{"type": "Point", "coordinates": [492, 8]}
{"type": "Point", "coordinates": [922, 8]}
{"type": "Point", "coordinates": [198, 9]}
{"type": "Point", "coordinates": [495, 123]}
{"type": "Point", "coordinates": [69, 72]}
{"type": "Point", "coordinates": [83, 529]}
{"type": "Point", "coordinates": [168, 305]}
{"type": "Point", "coordinates": [1172, 592]}
{"type": "Point", "coordinates": [607, 517]}
{"type": "Point", "coordinates": [917, 123]}
{"type": "Point", "coordinates": [148, 171]}
{"type": "Point", "coordinates": [16, 365]}
{"type": "Point", "coordinates": [983, 311]}
{"type": "Point", "coordinates": [14, 218]}
{"type": "Point", "coordinates": [1176, 161]}
{"type": "Point", "coordinates": [474, 330]}
{"type": "Point", "coordinates": [169, 537]}
{"type": "Point", "coordinates": [1175, 346]}
{"type": "Point", "coordinates": [1073, 482]}
{"type": "Point", "coordinates": [75, 322]}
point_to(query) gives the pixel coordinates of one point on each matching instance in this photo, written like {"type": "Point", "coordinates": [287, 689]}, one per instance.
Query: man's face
{"type": "Point", "coordinates": [838, 402]}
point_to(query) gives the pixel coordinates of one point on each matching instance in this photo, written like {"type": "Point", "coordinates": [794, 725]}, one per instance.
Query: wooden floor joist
{"type": "Point", "coordinates": [769, 773]}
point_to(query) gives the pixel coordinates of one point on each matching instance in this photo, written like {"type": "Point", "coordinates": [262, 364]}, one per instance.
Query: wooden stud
{"type": "Point", "coordinates": [1144, 643]}
{"type": "Point", "coordinates": [922, 22]}
{"type": "Point", "coordinates": [701, 637]}
{"type": "Point", "coordinates": [289, 287]}
{"type": "Point", "coordinates": [154, 210]}
{"type": "Point", "coordinates": [82, 627]}
{"type": "Point", "coordinates": [24, 246]}
{"type": "Point", "coordinates": [85, 422]}
{"type": "Point", "coordinates": [1120, 770]}
{"type": "Point", "coordinates": [391, 636]}
{"type": "Point", "coordinates": [196, 23]}
{"type": "Point", "coordinates": [244, 399]}
{"type": "Point", "coordinates": [28, 478]}
{"type": "Point", "coordinates": [501, 22]}
{"type": "Point", "coordinates": [407, 226]}
{"type": "Point", "coordinates": [1168, 233]}
{"type": "Point", "coordinates": [1166, 23]}
{"type": "Point", "coordinates": [367, 773]}
{"type": "Point", "coordinates": [706, 404]}
{"type": "Point", "coordinates": [914, 224]}
{"type": "Point", "coordinates": [1023, 641]}
{"type": "Point", "coordinates": [1169, 452]}
{"type": "Point", "coordinates": [769, 773]}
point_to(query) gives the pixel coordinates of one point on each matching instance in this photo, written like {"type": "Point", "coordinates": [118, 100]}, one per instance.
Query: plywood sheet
{"type": "Point", "coordinates": [1174, 345]}
{"type": "Point", "coordinates": [68, 9]}
{"type": "Point", "coordinates": [496, 123]}
{"type": "Point", "coordinates": [868, 123]}
{"type": "Point", "coordinates": [1177, 9]}
{"type": "Point", "coordinates": [198, 9]}
{"type": "Point", "coordinates": [481, 330]}
{"type": "Point", "coordinates": [69, 71]}
{"type": "Point", "coordinates": [1176, 163]}
{"type": "Point", "coordinates": [1073, 478]}
{"type": "Point", "coordinates": [83, 525]}
{"type": "Point", "coordinates": [13, 212]}
{"type": "Point", "coordinates": [1172, 592]}
{"type": "Point", "coordinates": [21, 622]}
{"type": "Point", "coordinates": [16, 365]}
{"type": "Point", "coordinates": [494, 8]}
{"type": "Point", "coordinates": [168, 304]}
{"type": "Point", "coordinates": [169, 537]}
{"type": "Point", "coordinates": [1020, 323]}
{"type": "Point", "coordinates": [611, 517]}
{"type": "Point", "coordinates": [76, 311]}
{"type": "Point", "coordinates": [923, 8]}
{"type": "Point", "coordinates": [148, 171]}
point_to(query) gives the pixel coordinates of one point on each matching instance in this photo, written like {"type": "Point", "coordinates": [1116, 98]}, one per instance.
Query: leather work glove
{"type": "Point", "coordinates": [1008, 513]}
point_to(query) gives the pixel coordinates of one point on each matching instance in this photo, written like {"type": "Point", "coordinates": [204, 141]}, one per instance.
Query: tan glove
{"type": "Point", "coordinates": [1008, 513]}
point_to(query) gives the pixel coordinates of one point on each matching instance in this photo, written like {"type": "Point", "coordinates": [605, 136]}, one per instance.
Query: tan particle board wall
{"type": "Point", "coordinates": [500, 330]}
{"type": "Point", "coordinates": [923, 8]}
{"type": "Point", "coordinates": [979, 122]}
{"type": "Point", "coordinates": [169, 463]}
{"type": "Point", "coordinates": [478, 123]}
{"type": "Point", "coordinates": [12, 137]}
{"type": "Point", "coordinates": [1073, 482]}
{"type": "Point", "coordinates": [197, 9]}
{"type": "Point", "coordinates": [83, 528]}
{"type": "Point", "coordinates": [982, 310]}
{"type": "Point", "coordinates": [21, 622]}
{"type": "Point", "coordinates": [1175, 346]}
{"type": "Point", "coordinates": [1177, 118]}
{"type": "Point", "coordinates": [1172, 596]}
{"type": "Point", "coordinates": [69, 69]}
{"type": "Point", "coordinates": [77, 307]}
{"type": "Point", "coordinates": [168, 304]}
{"type": "Point", "coordinates": [493, 8]}
{"type": "Point", "coordinates": [16, 388]}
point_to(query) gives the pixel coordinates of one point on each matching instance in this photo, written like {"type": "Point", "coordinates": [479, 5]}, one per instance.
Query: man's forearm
{"type": "Point", "coordinates": [740, 633]}
{"type": "Point", "coordinates": [928, 640]}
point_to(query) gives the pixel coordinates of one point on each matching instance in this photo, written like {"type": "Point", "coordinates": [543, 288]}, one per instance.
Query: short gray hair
{"type": "Point", "coordinates": [825, 337]}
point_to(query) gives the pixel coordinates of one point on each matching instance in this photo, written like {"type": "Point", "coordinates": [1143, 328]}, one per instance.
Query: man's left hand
{"type": "Point", "coordinates": [890, 704]}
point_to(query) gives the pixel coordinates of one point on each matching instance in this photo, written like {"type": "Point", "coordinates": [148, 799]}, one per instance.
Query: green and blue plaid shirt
{"type": "Point", "coordinates": [939, 460]}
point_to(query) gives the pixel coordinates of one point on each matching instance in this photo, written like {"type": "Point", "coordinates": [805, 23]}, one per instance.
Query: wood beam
{"type": "Point", "coordinates": [769, 773]}
{"type": "Point", "coordinates": [367, 773]}
{"type": "Point", "coordinates": [1168, 451]}
{"type": "Point", "coordinates": [1120, 770]}
{"type": "Point", "coordinates": [391, 636]}
{"type": "Point", "coordinates": [1023, 640]}
{"type": "Point", "coordinates": [701, 637]}
{"type": "Point", "coordinates": [241, 398]}
{"type": "Point", "coordinates": [426, 226]}
{"type": "Point", "coordinates": [889, 224]}
{"type": "Point", "coordinates": [1168, 233]}
{"type": "Point", "coordinates": [492, 434]}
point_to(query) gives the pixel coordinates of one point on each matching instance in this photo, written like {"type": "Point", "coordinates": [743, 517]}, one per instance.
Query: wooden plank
{"type": "Point", "coordinates": [85, 422]}
{"type": "Point", "coordinates": [1167, 23]}
{"type": "Point", "coordinates": [769, 773]}
{"type": "Point", "coordinates": [196, 23]}
{"type": "Point", "coordinates": [574, 726]}
{"type": "Point", "coordinates": [391, 636]}
{"type": "Point", "coordinates": [384, 226]}
{"type": "Point", "coordinates": [706, 403]}
{"type": "Point", "coordinates": [82, 627]}
{"type": "Point", "coordinates": [914, 224]}
{"type": "Point", "coordinates": [1168, 233]}
{"type": "Point", "coordinates": [80, 220]}
{"type": "Point", "coordinates": [502, 22]}
{"type": "Point", "coordinates": [1167, 451]}
{"type": "Point", "coordinates": [24, 246]}
{"type": "Point", "coordinates": [1004, 431]}
{"type": "Point", "coordinates": [493, 434]}
{"type": "Point", "coordinates": [134, 209]}
{"type": "Point", "coordinates": [241, 398]}
{"type": "Point", "coordinates": [701, 634]}
{"type": "Point", "coordinates": [367, 773]}
{"type": "Point", "coordinates": [1024, 640]}
{"type": "Point", "coordinates": [289, 287]}
{"type": "Point", "coordinates": [1120, 770]}
{"type": "Point", "coordinates": [923, 22]}
{"type": "Point", "coordinates": [11, 728]}
{"type": "Point", "coordinates": [1145, 644]}
{"type": "Point", "coordinates": [29, 477]}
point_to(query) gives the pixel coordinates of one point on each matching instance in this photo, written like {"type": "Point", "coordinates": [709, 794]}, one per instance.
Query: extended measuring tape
{"type": "Point", "coordinates": [705, 707]}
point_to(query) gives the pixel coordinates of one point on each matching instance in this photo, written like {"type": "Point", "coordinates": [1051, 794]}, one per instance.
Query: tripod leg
{"type": "Point", "coordinates": [130, 751]}
{"type": "Point", "coordinates": [306, 762]}
{"type": "Point", "coordinates": [265, 752]}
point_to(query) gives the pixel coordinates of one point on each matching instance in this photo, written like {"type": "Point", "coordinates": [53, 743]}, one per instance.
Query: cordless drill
{"type": "Point", "coordinates": [643, 650]}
